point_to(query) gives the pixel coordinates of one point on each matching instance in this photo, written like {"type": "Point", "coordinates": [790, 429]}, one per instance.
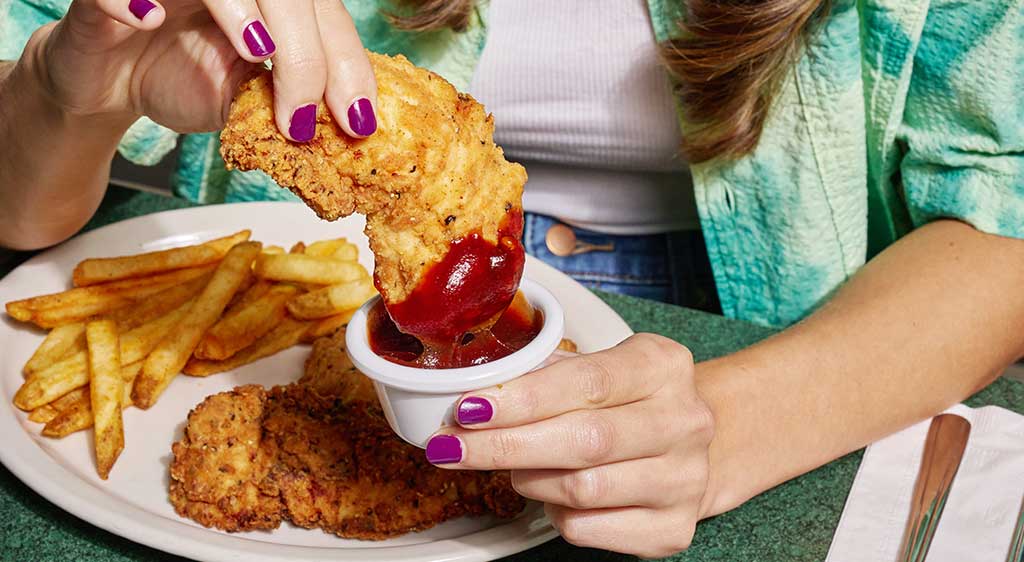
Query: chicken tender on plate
{"type": "Point", "coordinates": [252, 458]}
{"type": "Point", "coordinates": [429, 178]}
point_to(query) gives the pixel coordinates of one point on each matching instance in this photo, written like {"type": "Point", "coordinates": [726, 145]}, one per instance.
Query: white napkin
{"type": "Point", "coordinates": [983, 504]}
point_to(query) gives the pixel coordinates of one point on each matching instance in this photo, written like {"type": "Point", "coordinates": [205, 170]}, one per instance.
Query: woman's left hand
{"type": "Point", "coordinates": [614, 443]}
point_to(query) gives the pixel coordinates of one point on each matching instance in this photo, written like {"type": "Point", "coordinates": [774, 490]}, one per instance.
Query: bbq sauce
{"type": "Point", "coordinates": [460, 313]}
{"type": "Point", "coordinates": [513, 330]}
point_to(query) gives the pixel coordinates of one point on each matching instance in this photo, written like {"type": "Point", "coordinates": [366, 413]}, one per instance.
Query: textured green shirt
{"type": "Point", "coordinates": [898, 112]}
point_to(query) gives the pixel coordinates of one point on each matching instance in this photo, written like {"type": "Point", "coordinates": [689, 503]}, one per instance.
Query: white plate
{"type": "Point", "coordinates": [133, 502]}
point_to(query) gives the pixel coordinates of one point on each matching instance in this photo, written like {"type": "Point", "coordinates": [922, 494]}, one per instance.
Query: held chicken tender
{"type": "Point", "coordinates": [443, 206]}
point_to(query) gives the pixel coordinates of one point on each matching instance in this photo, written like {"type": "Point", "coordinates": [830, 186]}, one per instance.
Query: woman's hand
{"type": "Point", "coordinates": [179, 62]}
{"type": "Point", "coordinates": [614, 443]}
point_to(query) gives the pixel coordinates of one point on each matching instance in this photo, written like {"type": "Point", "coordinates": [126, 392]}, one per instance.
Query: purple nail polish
{"type": "Point", "coordinates": [474, 410]}
{"type": "Point", "coordinates": [258, 40]}
{"type": "Point", "coordinates": [303, 125]}
{"type": "Point", "coordinates": [444, 449]}
{"type": "Point", "coordinates": [139, 8]}
{"type": "Point", "coordinates": [361, 117]}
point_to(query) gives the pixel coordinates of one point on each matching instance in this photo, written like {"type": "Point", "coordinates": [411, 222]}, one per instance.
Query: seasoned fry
{"type": "Point", "coordinates": [239, 328]}
{"type": "Point", "coordinates": [244, 299]}
{"type": "Point", "coordinates": [77, 305]}
{"type": "Point", "coordinates": [43, 414]}
{"type": "Point", "coordinates": [298, 248]}
{"type": "Point", "coordinates": [339, 249]}
{"type": "Point", "coordinates": [51, 383]}
{"type": "Point", "coordinates": [273, 250]}
{"type": "Point", "coordinates": [59, 343]}
{"type": "Point", "coordinates": [104, 270]}
{"type": "Point", "coordinates": [332, 300]}
{"type": "Point", "coordinates": [106, 389]}
{"type": "Point", "coordinates": [173, 351]}
{"type": "Point", "coordinates": [302, 268]}
{"type": "Point", "coordinates": [288, 333]}
{"type": "Point", "coordinates": [74, 417]}
{"type": "Point", "coordinates": [137, 343]}
{"type": "Point", "coordinates": [75, 408]}
{"type": "Point", "coordinates": [327, 326]}
{"type": "Point", "coordinates": [158, 305]}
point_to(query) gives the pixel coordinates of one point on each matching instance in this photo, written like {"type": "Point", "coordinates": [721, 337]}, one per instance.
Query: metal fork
{"type": "Point", "coordinates": [1017, 542]}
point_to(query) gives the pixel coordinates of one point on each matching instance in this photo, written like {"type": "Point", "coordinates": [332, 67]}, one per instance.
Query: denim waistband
{"type": "Point", "coordinates": [671, 267]}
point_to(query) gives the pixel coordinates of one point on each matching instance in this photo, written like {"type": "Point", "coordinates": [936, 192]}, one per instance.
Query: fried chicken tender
{"type": "Point", "coordinates": [430, 175]}
{"type": "Point", "coordinates": [252, 458]}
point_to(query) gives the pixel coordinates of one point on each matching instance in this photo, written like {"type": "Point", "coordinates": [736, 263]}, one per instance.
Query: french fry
{"type": "Point", "coordinates": [273, 250]}
{"type": "Point", "coordinates": [327, 326]}
{"type": "Point", "coordinates": [51, 383]}
{"type": "Point", "coordinates": [286, 334]}
{"type": "Point", "coordinates": [59, 343]}
{"type": "Point", "coordinates": [173, 351]}
{"type": "Point", "coordinates": [240, 327]}
{"type": "Point", "coordinates": [77, 305]}
{"type": "Point", "coordinates": [104, 270]}
{"type": "Point", "coordinates": [74, 417]}
{"type": "Point", "coordinates": [63, 403]}
{"type": "Point", "coordinates": [43, 414]}
{"type": "Point", "coordinates": [137, 343]}
{"type": "Point", "coordinates": [76, 414]}
{"type": "Point", "coordinates": [252, 294]}
{"type": "Point", "coordinates": [331, 300]}
{"type": "Point", "coordinates": [297, 248]}
{"type": "Point", "coordinates": [158, 305]}
{"type": "Point", "coordinates": [301, 268]}
{"type": "Point", "coordinates": [106, 389]}
{"type": "Point", "coordinates": [339, 249]}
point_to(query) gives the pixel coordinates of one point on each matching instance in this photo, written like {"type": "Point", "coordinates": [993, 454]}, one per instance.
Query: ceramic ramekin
{"type": "Point", "coordinates": [417, 402]}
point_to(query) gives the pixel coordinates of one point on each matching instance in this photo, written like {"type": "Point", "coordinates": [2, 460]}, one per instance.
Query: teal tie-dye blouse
{"type": "Point", "coordinates": [899, 112]}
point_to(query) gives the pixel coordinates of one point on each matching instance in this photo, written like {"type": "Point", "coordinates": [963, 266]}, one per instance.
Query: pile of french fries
{"type": "Point", "coordinates": [133, 323]}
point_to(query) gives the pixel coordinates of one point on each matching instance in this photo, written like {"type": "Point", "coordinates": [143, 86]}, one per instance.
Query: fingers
{"type": "Point", "coordinates": [143, 15]}
{"type": "Point", "coordinates": [351, 87]}
{"type": "Point", "coordinates": [243, 24]}
{"type": "Point", "coordinates": [665, 482]}
{"type": "Point", "coordinates": [644, 532]}
{"type": "Point", "coordinates": [631, 371]}
{"type": "Point", "coordinates": [575, 440]}
{"type": "Point", "coordinates": [300, 67]}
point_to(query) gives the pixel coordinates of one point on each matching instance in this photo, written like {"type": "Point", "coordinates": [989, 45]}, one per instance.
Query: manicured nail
{"type": "Point", "coordinates": [139, 8]}
{"type": "Point", "coordinates": [258, 40]}
{"type": "Point", "coordinates": [303, 124]}
{"type": "Point", "coordinates": [361, 117]}
{"type": "Point", "coordinates": [444, 449]}
{"type": "Point", "coordinates": [474, 410]}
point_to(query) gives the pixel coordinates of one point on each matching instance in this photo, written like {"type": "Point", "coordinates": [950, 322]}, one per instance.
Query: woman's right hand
{"type": "Point", "coordinates": [180, 62]}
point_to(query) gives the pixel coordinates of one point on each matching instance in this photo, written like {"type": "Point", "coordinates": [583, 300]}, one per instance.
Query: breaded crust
{"type": "Point", "coordinates": [431, 173]}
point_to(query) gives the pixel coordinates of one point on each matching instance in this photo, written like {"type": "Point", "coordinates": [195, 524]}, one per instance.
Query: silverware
{"type": "Point", "coordinates": [1017, 542]}
{"type": "Point", "coordinates": [943, 450]}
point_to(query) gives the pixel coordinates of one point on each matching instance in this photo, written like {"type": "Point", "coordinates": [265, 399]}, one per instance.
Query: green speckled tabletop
{"type": "Point", "coordinates": [793, 522]}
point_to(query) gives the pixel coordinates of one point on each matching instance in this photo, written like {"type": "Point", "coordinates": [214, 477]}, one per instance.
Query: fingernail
{"type": "Point", "coordinates": [258, 40]}
{"type": "Point", "coordinates": [303, 124]}
{"type": "Point", "coordinates": [139, 8]}
{"type": "Point", "coordinates": [474, 410]}
{"type": "Point", "coordinates": [361, 117]}
{"type": "Point", "coordinates": [444, 449]}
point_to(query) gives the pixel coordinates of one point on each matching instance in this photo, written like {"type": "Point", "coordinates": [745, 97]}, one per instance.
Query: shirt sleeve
{"type": "Point", "coordinates": [145, 142]}
{"type": "Point", "coordinates": [963, 126]}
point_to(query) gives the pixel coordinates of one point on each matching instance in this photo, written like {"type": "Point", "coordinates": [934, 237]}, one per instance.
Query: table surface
{"type": "Point", "coordinates": [792, 522]}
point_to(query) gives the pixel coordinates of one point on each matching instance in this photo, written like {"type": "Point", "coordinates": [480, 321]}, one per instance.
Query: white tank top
{"type": "Point", "coordinates": [580, 98]}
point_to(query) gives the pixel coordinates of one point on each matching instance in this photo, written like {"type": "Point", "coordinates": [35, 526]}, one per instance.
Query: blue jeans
{"type": "Point", "coordinates": [670, 267]}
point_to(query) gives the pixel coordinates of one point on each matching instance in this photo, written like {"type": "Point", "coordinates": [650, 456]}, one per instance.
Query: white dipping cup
{"type": "Point", "coordinates": [418, 402]}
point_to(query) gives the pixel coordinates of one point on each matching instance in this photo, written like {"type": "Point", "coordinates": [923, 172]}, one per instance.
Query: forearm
{"type": "Point", "coordinates": [931, 320]}
{"type": "Point", "coordinates": [54, 166]}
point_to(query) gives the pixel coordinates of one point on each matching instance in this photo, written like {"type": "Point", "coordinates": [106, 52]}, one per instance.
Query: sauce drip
{"type": "Point", "coordinates": [514, 329]}
{"type": "Point", "coordinates": [459, 314]}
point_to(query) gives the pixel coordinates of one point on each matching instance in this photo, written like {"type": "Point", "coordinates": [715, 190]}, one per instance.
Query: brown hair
{"type": "Point", "coordinates": [729, 62]}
